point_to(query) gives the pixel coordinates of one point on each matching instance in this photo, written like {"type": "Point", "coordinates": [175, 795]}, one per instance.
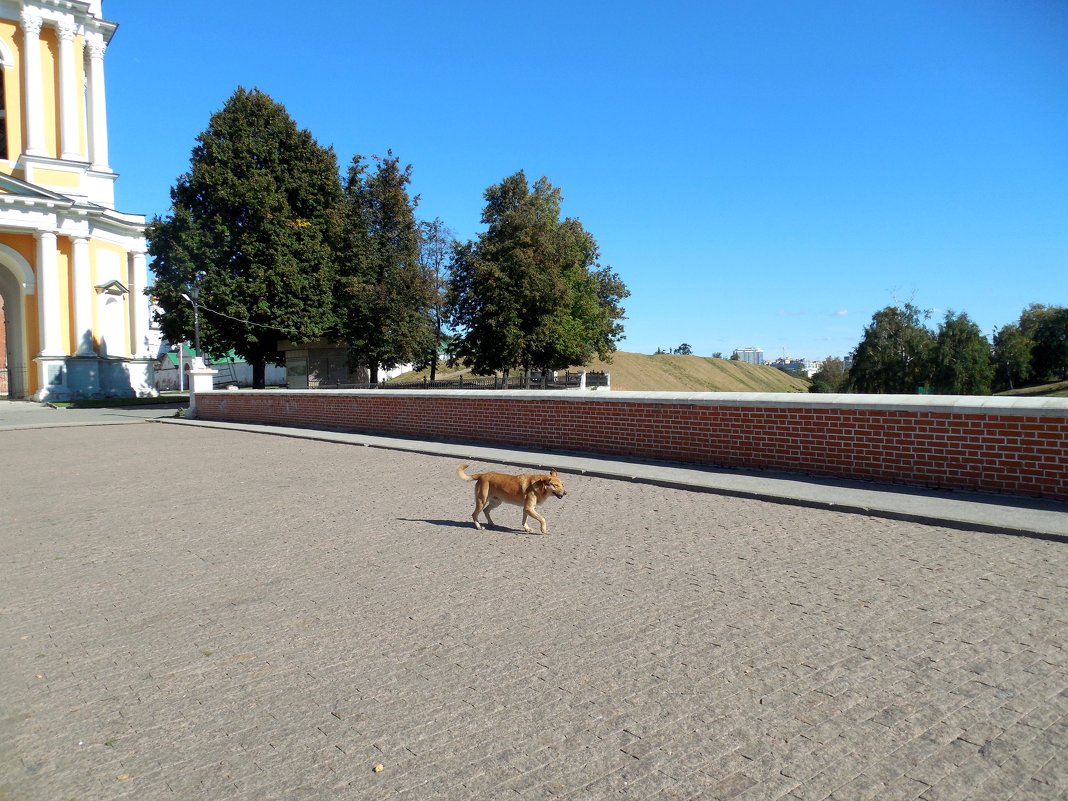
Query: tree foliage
{"type": "Point", "coordinates": [249, 226]}
{"type": "Point", "coordinates": [1047, 329]}
{"type": "Point", "coordinates": [961, 363]}
{"type": "Point", "coordinates": [435, 248]}
{"type": "Point", "coordinates": [1011, 358]}
{"type": "Point", "coordinates": [893, 354]}
{"type": "Point", "coordinates": [530, 293]}
{"type": "Point", "coordinates": [385, 296]}
{"type": "Point", "coordinates": [831, 377]}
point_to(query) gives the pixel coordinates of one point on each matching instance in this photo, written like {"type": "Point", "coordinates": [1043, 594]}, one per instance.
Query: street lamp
{"type": "Point", "coordinates": [192, 296]}
{"type": "Point", "coordinates": [181, 359]}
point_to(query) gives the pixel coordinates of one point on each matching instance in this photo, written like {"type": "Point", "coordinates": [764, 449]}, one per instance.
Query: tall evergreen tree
{"type": "Point", "coordinates": [960, 360]}
{"type": "Point", "coordinates": [385, 295]}
{"type": "Point", "coordinates": [248, 227]}
{"type": "Point", "coordinates": [894, 354]}
{"type": "Point", "coordinates": [530, 293]}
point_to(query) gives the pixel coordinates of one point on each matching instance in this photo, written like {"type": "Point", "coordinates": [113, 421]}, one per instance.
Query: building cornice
{"type": "Point", "coordinates": [85, 14]}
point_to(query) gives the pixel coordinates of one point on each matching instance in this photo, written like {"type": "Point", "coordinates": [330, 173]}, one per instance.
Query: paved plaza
{"type": "Point", "coordinates": [198, 613]}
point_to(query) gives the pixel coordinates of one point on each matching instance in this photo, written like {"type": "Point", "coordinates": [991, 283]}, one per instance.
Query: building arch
{"type": "Point", "coordinates": [16, 285]}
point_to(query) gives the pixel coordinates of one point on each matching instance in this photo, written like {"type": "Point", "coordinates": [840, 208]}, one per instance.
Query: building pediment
{"type": "Point", "coordinates": [12, 187]}
{"type": "Point", "coordinates": [115, 288]}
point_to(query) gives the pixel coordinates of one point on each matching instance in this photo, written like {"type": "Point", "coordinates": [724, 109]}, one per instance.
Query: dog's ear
{"type": "Point", "coordinates": [552, 471]}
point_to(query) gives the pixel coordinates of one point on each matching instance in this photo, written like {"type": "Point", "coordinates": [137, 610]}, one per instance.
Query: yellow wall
{"type": "Point", "coordinates": [50, 80]}
{"type": "Point", "coordinates": [26, 246]}
{"type": "Point", "coordinates": [58, 179]}
{"type": "Point", "coordinates": [12, 89]}
{"type": "Point", "coordinates": [63, 266]}
{"type": "Point", "coordinates": [103, 256]}
{"type": "Point", "coordinates": [79, 89]}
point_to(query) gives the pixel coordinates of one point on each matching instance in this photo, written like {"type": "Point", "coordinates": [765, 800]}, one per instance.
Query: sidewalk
{"type": "Point", "coordinates": [15, 415]}
{"type": "Point", "coordinates": [972, 511]}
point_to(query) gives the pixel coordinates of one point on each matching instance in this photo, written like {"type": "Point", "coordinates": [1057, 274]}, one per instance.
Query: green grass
{"type": "Point", "coordinates": [673, 373]}
{"type": "Point", "coordinates": [1058, 389]}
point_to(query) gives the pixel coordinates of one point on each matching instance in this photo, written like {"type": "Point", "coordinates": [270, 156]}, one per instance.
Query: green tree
{"type": "Point", "coordinates": [894, 354]}
{"type": "Point", "coordinates": [1011, 357]}
{"type": "Point", "coordinates": [385, 295]}
{"type": "Point", "coordinates": [530, 293]}
{"type": "Point", "coordinates": [249, 226]}
{"type": "Point", "coordinates": [684, 350]}
{"type": "Point", "coordinates": [1047, 328]}
{"type": "Point", "coordinates": [961, 363]}
{"type": "Point", "coordinates": [831, 377]}
{"type": "Point", "coordinates": [436, 244]}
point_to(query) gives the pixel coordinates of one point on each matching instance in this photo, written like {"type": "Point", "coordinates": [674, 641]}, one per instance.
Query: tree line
{"type": "Point", "coordinates": [899, 353]}
{"type": "Point", "coordinates": [272, 243]}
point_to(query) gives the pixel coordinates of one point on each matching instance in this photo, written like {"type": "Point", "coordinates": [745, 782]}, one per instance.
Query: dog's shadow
{"type": "Point", "coordinates": [461, 524]}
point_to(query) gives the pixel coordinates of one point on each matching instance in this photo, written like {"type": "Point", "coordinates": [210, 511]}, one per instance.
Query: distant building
{"type": "Point", "coordinates": [750, 355]}
{"type": "Point", "coordinates": [792, 365]}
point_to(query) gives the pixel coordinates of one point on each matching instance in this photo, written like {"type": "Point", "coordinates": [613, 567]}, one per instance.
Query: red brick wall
{"type": "Point", "coordinates": [1017, 446]}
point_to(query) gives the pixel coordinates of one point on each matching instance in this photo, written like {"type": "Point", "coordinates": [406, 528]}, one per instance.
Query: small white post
{"type": "Point", "coordinates": [201, 379]}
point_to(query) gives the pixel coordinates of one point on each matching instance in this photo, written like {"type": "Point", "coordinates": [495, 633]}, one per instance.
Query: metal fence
{"type": "Point", "coordinates": [13, 381]}
{"type": "Point", "coordinates": [566, 380]}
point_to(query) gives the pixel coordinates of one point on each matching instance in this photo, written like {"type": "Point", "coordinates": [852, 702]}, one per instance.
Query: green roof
{"type": "Point", "coordinates": [189, 353]}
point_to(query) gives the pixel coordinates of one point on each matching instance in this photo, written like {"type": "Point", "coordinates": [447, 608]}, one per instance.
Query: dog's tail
{"type": "Point", "coordinates": [460, 472]}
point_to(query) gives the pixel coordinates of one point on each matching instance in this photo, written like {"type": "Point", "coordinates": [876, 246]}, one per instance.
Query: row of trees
{"type": "Point", "coordinates": [272, 244]}
{"type": "Point", "coordinates": [899, 353]}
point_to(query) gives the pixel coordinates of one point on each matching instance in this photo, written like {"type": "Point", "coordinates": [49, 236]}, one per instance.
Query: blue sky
{"type": "Point", "coordinates": [763, 173]}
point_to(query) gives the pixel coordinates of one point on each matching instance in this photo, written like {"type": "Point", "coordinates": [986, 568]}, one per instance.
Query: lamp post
{"type": "Point", "coordinates": [181, 352]}
{"type": "Point", "coordinates": [192, 296]}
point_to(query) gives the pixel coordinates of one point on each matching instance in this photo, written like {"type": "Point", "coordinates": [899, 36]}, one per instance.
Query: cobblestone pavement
{"type": "Point", "coordinates": [188, 613]}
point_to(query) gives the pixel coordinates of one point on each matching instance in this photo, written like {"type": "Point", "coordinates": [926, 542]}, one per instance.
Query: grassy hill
{"type": "Point", "coordinates": [666, 373]}
{"type": "Point", "coordinates": [1056, 390]}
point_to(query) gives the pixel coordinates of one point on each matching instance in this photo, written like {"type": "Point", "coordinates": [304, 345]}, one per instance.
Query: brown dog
{"type": "Point", "coordinates": [491, 489]}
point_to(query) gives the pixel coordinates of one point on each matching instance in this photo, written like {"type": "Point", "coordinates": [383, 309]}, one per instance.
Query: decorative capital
{"type": "Point", "coordinates": [31, 21]}
{"type": "Point", "coordinates": [67, 29]}
{"type": "Point", "coordinates": [94, 43]}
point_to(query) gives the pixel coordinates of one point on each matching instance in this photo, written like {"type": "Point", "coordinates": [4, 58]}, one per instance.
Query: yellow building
{"type": "Point", "coordinates": [72, 268]}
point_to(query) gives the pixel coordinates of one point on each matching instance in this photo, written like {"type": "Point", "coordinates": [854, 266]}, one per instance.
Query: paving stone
{"type": "Point", "coordinates": [281, 614]}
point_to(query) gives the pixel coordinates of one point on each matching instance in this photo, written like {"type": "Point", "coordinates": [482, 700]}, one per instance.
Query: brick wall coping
{"type": "Point", "coordinates": [939, 404]}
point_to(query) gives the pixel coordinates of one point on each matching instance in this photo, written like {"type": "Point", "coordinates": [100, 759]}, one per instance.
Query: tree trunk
{"type": "Point", "coordinates": [434, 366]}
{"type": "Point", "coordinates": [259, 373]}
{"type": "Point", "coordinates": [372, 373]}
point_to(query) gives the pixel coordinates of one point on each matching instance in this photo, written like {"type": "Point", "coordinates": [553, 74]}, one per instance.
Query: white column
{"type": "Point", "coordinates": [139, 305]}
{"type": "Point", "coordinates": [48, 311]}
{"type": "Point", "coordinates": [31, 83]}
{"type": "Point", "coordinates": [83, 298]}
{"type": "Point", "coordinates": [70, 146]}
{"type": "Point", "coordinates": [98, 115]}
